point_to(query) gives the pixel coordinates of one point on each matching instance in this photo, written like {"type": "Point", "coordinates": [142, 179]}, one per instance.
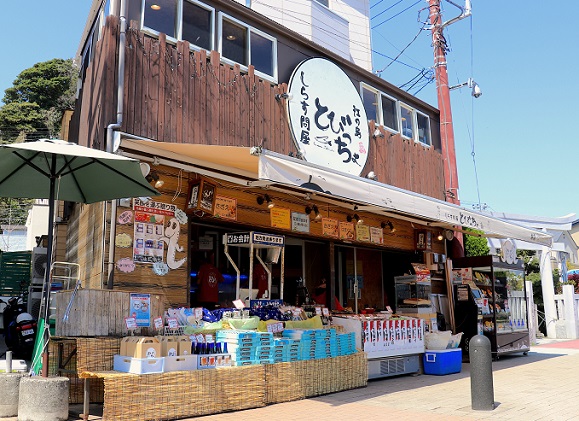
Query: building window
{"type": "Point", "coordinates": [240, 43]}
{"type": "Point", "coordinates": [370, 101]}
{"type": "Point", "coordinates": [160, 16]}
{"type": "Point", "coordinates": [324, 2]}
{"type": "Point", "coordinates": [389, 113]}
{"type": "Point", "coordinates": [407, 121]}
{"type": "Point", "coordinates": [380, 107]}
{"type": "Point", "coordinates": [423, 123]}
{"type": "Point", "coordinates": [198, 25]}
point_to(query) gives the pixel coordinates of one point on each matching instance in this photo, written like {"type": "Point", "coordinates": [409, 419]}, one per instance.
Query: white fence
{"type": "Point", "coordinates": [567, 305]}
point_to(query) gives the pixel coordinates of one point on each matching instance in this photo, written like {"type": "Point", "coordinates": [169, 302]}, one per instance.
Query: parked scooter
{"type": "Point", "coordinates": [19, 328]}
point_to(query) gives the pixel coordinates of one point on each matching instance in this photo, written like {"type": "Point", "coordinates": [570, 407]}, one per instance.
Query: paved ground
{"type": "Point", "coordinates": [539, 386]}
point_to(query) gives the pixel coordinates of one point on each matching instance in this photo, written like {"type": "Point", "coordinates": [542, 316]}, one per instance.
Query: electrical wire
{"type": "Point", "coordinates": [404, 49]}
{"type": "Point", "coordinates": [385, 10]}
{"type": "Point", "coordinates": [397, 14]}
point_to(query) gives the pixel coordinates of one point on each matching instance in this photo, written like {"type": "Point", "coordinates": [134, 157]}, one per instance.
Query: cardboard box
{"type": "Point", "coordinates": [128, 345]}
{"type": "Point", "coordinates": [169, 346]}
{"type": "Point", "coordinates": [184, 345]}
{"type": "Point", "coordinates": [147, 347]}
{"type": "Point", "coordinates": [441, 362]}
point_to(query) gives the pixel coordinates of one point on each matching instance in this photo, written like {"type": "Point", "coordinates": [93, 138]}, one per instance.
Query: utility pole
{"type": "Point", "coordinates": [443, 93]}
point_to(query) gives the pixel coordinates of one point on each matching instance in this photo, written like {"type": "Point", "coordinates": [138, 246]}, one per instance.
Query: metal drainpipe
{"type": "Point", "coordinates": [110, 134]}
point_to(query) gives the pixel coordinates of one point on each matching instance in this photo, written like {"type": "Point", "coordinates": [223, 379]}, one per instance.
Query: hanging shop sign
{"type": "Point", "coordinates": [202, 196]}
{"type": "Point", "coordinates": [260, 238]}
{"type": "Point", "coordinates": [423, 240]}
{"type": "Point", "coordinates": [509, 251]}
{"type": "Point", "coordinates": [327, 116]}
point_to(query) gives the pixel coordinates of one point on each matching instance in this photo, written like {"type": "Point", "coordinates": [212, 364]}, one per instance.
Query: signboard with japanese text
{"type": "Point", "coordinates": [362, 232]}
{"type": "Point", "coordinates": [330, 227]}
{"type": "Point", "coordinates": [226, 207]}
{"type": "Point", "coordinates": [150, 218]}
{"type": "Point", "coordinates": [347, 231]}
{"type": "Point", "coordinates": [327, 116]}
{"type": "Point", "coordinates": [376, 235]}
{"type": "Point", "coordinates": [300, 222]}
{"type": "Point", "coordinates": [280, 218]}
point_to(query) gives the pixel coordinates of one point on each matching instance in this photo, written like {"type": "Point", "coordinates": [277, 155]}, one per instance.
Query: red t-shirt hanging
{"type": "Point", "coordinates": [260, 279]}
{"type": "Point", "coordinates": [208, 279]}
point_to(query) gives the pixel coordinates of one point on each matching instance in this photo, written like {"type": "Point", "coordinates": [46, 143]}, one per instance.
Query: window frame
{"type": "Point", "coordinates": [250, 29]}
{"type": "Point", "coordinates": [429, 128]}
{"type": "Point", "coordinates": [379, 111]}
{"type": "Point", "coordinates": [179, 24]}
{"type": "Point", "coordinates": [413, 125]}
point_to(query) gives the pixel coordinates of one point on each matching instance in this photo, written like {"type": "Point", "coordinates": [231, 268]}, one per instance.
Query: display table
{"type": "Point", "coordinates": [202, 392]}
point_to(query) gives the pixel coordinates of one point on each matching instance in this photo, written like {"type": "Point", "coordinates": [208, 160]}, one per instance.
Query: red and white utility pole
{"type": "Point", "coordinates": [443, 93]}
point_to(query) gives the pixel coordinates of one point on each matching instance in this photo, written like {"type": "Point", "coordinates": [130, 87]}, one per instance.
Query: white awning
{"type": "Point", "coordinates": [259, 167]}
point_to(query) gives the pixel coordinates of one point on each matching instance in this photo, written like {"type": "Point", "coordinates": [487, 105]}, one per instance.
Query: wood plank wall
{"type": "Point", "coordinates": [174, 94]}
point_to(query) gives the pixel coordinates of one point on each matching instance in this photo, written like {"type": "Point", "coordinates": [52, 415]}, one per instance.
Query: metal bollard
{"type": "Point", "coordinates": [481, 373]}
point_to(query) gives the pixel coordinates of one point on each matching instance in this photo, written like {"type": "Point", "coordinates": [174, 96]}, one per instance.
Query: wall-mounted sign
{"type": "Point", "coordinates": [126, 265]}
{"type": "Point", "coordinates": [202, 195]}
{"type": "Point", "coordinates": [330, 227]}
{"type": "Point", "coordinates": [123, 240]}
{"type": "Point", "coordinates": [376, 235]}
{"type": "Point", "coordinates": [347, 231]}
{"type": "Point", "coordinates": [226, 207]}
{"type": "Point", "coordinates": [125, 218]}
{"type": "Point", "coordinates": [327, 116]}
{"type": "Point", "coordinates": [280, 218]}
{"type": "Point", "coordinates": [300, 222]}
{"type": "Point", "coordinates": [362, 232]}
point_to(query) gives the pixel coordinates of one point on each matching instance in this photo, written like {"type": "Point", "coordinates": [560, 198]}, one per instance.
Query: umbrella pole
{"type": "Point", "coordinates": [46, 297]}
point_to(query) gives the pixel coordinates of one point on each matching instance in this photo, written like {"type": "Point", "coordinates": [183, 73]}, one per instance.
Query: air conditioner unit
{"type": "Point", "coordinates": [34, 301]}
{"type": "Point", "coordinates": [39, 258]}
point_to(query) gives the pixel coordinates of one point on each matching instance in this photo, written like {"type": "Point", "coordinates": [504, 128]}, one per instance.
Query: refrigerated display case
{"type": "Point", "coordinates": [393, 344]}
{"type": "Point", "coordinates": [490, 299]}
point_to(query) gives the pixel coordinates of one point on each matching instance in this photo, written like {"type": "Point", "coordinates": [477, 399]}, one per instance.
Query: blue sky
{"type": "Point", "coordinates": [524, 56]}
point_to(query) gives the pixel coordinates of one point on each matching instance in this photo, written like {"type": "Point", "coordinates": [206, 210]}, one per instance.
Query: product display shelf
{"type": "Point", "coordinates": [203, 392]}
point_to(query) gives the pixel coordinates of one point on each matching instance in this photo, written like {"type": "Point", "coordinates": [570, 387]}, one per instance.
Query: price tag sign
{"type": "Point", "coordinates": [158, 323]}
{"type": "Point", "coordinates": [318, 311]}
{"type": "Point", "coordinates": [297, 312]}
{"type": "Point", "coordinates": [238, 304]}
{"type": "Point", "coordinates": [200, 338]}
{"type": "Point", "coordinates": [326, 311]}
{"type": "Point", "coordinates": [198, 313]}
{"type": "Point", "coordinates": [172, 323]}
{"type": "Point", "coordinates": [131, 323]}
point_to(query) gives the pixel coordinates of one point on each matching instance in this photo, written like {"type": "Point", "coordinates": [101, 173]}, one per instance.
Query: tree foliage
{"type": "Point", "coordinates": [35, 103]}
{"type": "Point", "coordinates": [475, 245]}
{"type": "Point", "coordinates": [14, 211]}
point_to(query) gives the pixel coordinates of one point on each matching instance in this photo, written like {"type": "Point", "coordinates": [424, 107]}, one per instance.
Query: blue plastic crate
{"type": "Point", "coordinates": [441, 362]}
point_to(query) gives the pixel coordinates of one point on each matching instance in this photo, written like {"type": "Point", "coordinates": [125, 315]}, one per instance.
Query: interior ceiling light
{"type": "Point", "coordinates": [155, 7]}
{"type": "Point", "coordinates": [440, 237]}
{"type": "Point", "coordinates": [231, 37]}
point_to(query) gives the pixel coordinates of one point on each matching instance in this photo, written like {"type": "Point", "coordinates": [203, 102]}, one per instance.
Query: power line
{"type": "Point", "coordinates": [397, 14]}
{"type": "Point", "coordinates": [385, 10]}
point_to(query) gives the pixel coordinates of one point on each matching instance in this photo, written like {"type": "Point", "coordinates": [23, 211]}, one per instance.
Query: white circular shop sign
{"type": "Point", "coordinates": [327, 116]}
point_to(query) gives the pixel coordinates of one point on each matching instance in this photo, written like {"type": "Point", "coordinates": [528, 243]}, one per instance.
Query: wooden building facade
{"type": "Point", "coordinates": [173, 92]}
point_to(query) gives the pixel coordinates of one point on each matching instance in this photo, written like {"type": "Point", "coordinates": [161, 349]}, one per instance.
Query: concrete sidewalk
{"type": "Point", "coordinates": [539, 386]}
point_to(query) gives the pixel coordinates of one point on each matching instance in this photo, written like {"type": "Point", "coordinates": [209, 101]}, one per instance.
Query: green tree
{"type": "Point", "coordinates": [475, 245]}
{"type": "Point", "coordinates": [35, 103]}
{"type": "Point", "coordinates": [14, 211]}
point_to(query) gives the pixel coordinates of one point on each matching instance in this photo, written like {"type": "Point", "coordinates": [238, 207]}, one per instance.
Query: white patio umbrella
{"type": "Point", "coordinates": [59, 170]}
